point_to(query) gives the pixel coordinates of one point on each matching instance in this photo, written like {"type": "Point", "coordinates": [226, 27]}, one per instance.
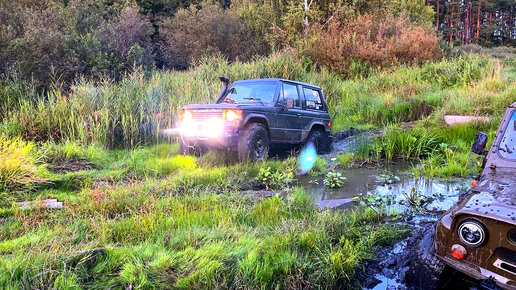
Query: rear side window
{"type": "Point", "coordinates": [313, 99]}
{"type": "Point", "coordinates": [290, 92]}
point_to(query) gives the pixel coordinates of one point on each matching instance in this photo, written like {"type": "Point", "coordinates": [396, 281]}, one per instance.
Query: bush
{"type": "Point", "coordinates": [209, 30]}
{"type": "Point", "coordinates": [17, 162]}
{"type": "Point", "coordinates": [371, 41]}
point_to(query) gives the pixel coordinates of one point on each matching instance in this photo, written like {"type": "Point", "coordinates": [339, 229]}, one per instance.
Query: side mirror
{"type": "Point", "coordinates": [480, 143]}
{"type": "Point", "coordinates": [289, 104]}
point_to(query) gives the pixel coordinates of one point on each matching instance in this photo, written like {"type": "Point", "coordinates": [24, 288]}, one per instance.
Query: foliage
{"type": "Point", "coordinates": [320, 167]}
{"type": "Point", "coordinates": [53, 43]}
{"type": "Point", "coordinates": [415, 198]}
{"type": "Point", "coordinates": [346, 159]}
{"type": "Point", "coordinates": [18, 163]}
{"type": "Point", "coordinates": [407, 144]}
{"type": "Point", "coordinates": [389, 178]}
{"type": "Point", "coordinates": [334, 180]}
{"type": "Point", "coordinates": [203, 31]}
{"type": "Point", "coordinates": [373, 41]}
{"type": "Point", "coordinates": [274, 179]}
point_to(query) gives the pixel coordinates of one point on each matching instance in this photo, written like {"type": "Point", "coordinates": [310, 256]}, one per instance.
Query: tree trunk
{"type": "Point", "coordinates": [437, 20]}
{"type": "Point", "coordinates": [451, 26]}
{"type": "Point", "coordinates": [466, 22]}
{"type": "Point", "coordinates": [478, 18]}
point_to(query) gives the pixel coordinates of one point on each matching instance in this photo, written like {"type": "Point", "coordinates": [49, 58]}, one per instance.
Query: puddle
{"type": "Point", "coordinates": [386, 283]}
{"type": "Point", "coordinates": [373, 184]}
{"type": "Point", "coordinates": [393, 189]}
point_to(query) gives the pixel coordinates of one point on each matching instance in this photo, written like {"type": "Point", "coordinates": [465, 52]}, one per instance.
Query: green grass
{"type": "Point", "coordinates": [169, 221]}
{"type": "Point", "coordinates": [193, 229]}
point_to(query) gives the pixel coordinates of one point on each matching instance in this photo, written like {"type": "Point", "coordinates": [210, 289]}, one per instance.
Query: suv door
{"type": "Point", "coordinates": [315, 109]}
{"type": "Point", "coordinates": [287, 125]}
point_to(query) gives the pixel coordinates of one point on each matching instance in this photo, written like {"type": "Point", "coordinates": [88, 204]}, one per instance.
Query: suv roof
{"type": "Point", "coordinates": [279, 80]}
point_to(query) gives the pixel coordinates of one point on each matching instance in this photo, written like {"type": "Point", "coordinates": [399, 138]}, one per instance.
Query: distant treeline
{"type": "Point", "coordinates": [55, 41]}
{"type": "Point", "coordinates": [484, 22]}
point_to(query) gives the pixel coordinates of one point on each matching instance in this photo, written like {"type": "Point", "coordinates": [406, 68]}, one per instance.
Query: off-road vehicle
{"type": "Point", "coordinates": [250, 116]}
{"type": "Point", "coordinates": [477, 236]}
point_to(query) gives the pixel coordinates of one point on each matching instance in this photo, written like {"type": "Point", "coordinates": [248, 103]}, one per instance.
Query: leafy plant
{"type": "Point", "coordinates": [415, 198]}
{"type": "Point", "coordinates": [274, 179]}
{"type": "Point", "coordinates": [334, 180]}
{"type": "Point", "coordinates": [389, 178]}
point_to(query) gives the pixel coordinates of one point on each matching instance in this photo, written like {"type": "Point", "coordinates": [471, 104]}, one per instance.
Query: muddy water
{"type": "Point", "coordinates": [392, 184]}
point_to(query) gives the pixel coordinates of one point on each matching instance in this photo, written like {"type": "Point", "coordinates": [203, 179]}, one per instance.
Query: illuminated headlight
{"type": "Point", "coordinates": [212, 128]}
{"type": "Point", "coordinates": [472, 233]}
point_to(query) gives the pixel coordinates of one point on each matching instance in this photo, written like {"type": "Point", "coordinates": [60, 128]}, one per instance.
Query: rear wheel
{"type": "Point", "coordinates": [320, 140]}
{"type": "Point", "coordinates": [254, 143]}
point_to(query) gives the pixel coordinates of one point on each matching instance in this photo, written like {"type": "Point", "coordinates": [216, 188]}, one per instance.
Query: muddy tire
{"type": "Point", "coordinates": [253, 144]}
{"type": "Point", "coordinates": [321, 141]}
{"type": "Point", "coordinates": [425, 268]}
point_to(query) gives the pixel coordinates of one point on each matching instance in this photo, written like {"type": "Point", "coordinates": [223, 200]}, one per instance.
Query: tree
{"type": "Point", "coordinates": [205, 30]}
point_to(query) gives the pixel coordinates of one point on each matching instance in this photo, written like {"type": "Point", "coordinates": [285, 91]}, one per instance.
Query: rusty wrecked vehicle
{"type": "Point", "coordinates": [251, 116]}
{"type": "Point", "coordinates": [476, 238]}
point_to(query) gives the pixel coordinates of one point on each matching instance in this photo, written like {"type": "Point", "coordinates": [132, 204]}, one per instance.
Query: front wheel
{"type": "Point", "coordinates": [254, 143]}
{"type": "Point", "coordinates": [425, 268]}
{"type": "Point", "coordinates": [320, 140]}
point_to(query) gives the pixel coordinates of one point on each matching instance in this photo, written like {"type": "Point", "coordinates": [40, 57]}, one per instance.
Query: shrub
{"type": "Point", "coordinates": [372, 41]}
{"type": "Point", "coordinates": [198, 32]}
{"type": "Point", "coordinates": [17, 162]}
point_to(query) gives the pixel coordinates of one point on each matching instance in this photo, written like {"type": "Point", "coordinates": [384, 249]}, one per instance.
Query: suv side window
{"type": "Point", "coordinates": [313, 99]}
{"type": "Point", "coordinates": [290, 91]}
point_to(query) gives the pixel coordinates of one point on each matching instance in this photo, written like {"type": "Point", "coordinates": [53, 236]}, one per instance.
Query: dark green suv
{"type": "Point", "coordinates": [250, 116]}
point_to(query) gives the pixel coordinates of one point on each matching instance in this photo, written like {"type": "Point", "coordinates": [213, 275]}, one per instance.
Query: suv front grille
{"type": "Point", "coordinates": [206, 114]}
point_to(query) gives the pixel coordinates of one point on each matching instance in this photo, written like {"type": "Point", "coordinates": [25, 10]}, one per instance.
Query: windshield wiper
{"type": "Point", "coordinates": [255, 99]}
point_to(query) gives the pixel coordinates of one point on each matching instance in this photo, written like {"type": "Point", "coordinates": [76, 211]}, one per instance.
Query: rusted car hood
{"type": "Point", "coordinates": [494, 197]}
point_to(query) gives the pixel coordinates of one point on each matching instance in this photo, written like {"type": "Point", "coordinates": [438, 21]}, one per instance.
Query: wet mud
{"type": "Point", "coordinates": [416, 201]}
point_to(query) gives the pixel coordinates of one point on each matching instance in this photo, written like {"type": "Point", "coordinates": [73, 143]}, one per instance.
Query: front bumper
{"type": "Point", "coordinates": [445, 237]}
{"type": "Point", "coordinates": [478, 273]}
{"type": "Point", "coordinates": [223, 135]}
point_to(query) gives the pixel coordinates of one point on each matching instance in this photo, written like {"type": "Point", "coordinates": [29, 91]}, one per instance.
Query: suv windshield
{"type": "Point", "coordinates": [507, 148]}
{"type": "Point", "coordinates": [262, 92]}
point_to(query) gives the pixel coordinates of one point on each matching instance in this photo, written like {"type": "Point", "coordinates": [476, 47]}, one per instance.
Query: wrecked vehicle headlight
{"type": "Point", "coordinates": [512, 236]}
{"type": "Point", "coordinates": [472, 233]}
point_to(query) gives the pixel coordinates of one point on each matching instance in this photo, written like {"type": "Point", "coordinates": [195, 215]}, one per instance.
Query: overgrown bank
{"type": "Point", "coordinates": [187, 225]}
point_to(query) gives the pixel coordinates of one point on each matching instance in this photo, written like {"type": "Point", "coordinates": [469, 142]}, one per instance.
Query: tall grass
{"type": "Point", "coordinates": [133, 111]}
